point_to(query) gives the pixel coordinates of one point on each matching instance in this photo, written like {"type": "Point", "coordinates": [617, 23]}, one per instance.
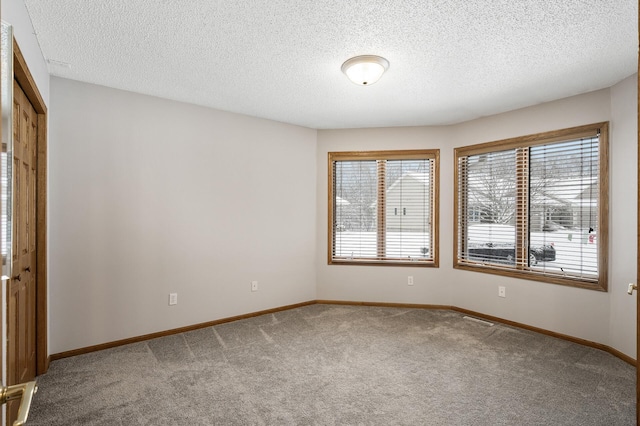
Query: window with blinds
{"type": "Point", "coordinates": [535, 207]}
{"type": "Point", "coordinates": [383, 207]}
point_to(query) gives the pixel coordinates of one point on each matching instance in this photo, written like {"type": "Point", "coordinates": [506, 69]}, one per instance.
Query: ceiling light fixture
{"type": "Point", "coordinates": [366, 69]}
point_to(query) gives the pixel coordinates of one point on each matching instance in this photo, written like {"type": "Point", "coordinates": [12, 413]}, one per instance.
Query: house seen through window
{"type": "Point", "coordinates": [535, 207]}
{"type": "Point", "coordinates": [383, 207]}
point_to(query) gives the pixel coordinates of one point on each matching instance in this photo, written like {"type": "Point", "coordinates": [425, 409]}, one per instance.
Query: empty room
{"type": "Point", "coordinates": [319, 213]}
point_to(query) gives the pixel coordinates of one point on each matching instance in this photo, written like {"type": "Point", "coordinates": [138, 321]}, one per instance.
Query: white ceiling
{"type": "Point", "coordinates": [451, 60]}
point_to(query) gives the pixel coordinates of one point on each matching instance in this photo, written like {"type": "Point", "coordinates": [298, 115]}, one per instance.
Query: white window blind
{"type": "Point", "coordinates": [383, 207]}
{"type": "Point", "coordinates": [564, 206]}
{"type": "Point", "coordinates": [408, 212]}
{"type": "Point", "coordinates": [356, 191]}
{"type": "Point", "coordinates": [488, 187]}
{"type": "Point", "coordinates": [533, 205]}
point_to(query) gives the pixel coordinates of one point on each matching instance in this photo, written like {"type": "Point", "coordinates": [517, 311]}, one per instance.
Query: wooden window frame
{"type": "Point", "coordinates": [519, 270]}
{"type": "Point", "coordinates": [432, 154]}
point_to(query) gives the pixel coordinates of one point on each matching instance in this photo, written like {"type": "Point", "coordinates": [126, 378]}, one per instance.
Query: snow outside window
{"type": "Point", "coordinates": [535, 207]}
{"type": "Point", "coordinates": [383, 207]}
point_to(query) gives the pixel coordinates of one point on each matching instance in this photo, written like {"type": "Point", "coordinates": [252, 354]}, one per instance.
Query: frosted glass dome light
{"type": "Point", "coordinates": [366, 69]}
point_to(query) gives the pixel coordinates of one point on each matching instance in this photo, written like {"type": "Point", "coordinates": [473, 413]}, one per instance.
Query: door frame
{"type": "Point", "coordinates": [23, 76]}
{"type": "Point", "coordinates": [638, 254]}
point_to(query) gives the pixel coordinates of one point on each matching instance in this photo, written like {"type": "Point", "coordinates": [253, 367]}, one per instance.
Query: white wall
{"type": "Point", "coordinates": [149, 196]}
{"type": "Point", "coordinates": [624, 190]}
{"type": "Point", "coordinates": [15, 13]}
{"type": "Point", "coordinates": [126, 197]}
{"type": "Point", "coordinates": [573, 311]}
{"type": "Point", "coordinates": [576, 312]}
{"type": "Point", "coordinates": [375, 283]}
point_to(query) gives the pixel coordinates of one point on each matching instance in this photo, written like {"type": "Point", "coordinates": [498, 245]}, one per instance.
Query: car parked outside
{"type": "Point", "coordinates": [506, 253]}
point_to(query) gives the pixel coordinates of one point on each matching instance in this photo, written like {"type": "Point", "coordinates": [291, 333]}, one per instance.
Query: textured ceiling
{"type": "Point", "coordinates": [451, 60]}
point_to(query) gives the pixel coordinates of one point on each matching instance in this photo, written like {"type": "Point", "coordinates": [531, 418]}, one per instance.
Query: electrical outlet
{"type": "Point", "coordinates": [173, 299]}
{"type": "Point", "coordinates": [410, 280]}
{"type": "Point", "coordinates": [502, 292]}
{"type": "Point", "coordinates": [254, 285]}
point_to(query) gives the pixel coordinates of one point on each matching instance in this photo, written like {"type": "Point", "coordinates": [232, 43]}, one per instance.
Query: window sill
{"type": "Point", "coordinates": [534, 276]}
{"type": "Point", "coordinates": [375, 262]}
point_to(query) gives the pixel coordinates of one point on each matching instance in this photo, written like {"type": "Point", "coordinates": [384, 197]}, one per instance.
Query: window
{"type": "Point", "coordinates": [535, 207]}
{"type": "Point", "coordinates": [383, 207]}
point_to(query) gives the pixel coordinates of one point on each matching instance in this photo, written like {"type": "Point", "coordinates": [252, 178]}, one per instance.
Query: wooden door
{"type": "Point", "coordinates": [21, 348]}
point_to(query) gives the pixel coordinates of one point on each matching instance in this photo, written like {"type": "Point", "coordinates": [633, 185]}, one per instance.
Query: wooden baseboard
{"type": "Point", "coordinates": [150, 336]}
{"type": "Point", "coordinates": [577, 340]}
{"type": "Point", "coordinates": [609, 349]}
{"type": "Point", "coordinates": [122, 342]}
{"type": "Point", "coordinates": [383, 304]}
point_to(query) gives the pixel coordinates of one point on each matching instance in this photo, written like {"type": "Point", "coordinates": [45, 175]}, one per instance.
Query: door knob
{"type": "Point", "coordinates": [632, 287]}
{"type": "Point", "coordinates": [27, 269]}
{"type": "Point", "coordinates": [25, 393]}
{"type": "Point", "coordinates": [17, 278]}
